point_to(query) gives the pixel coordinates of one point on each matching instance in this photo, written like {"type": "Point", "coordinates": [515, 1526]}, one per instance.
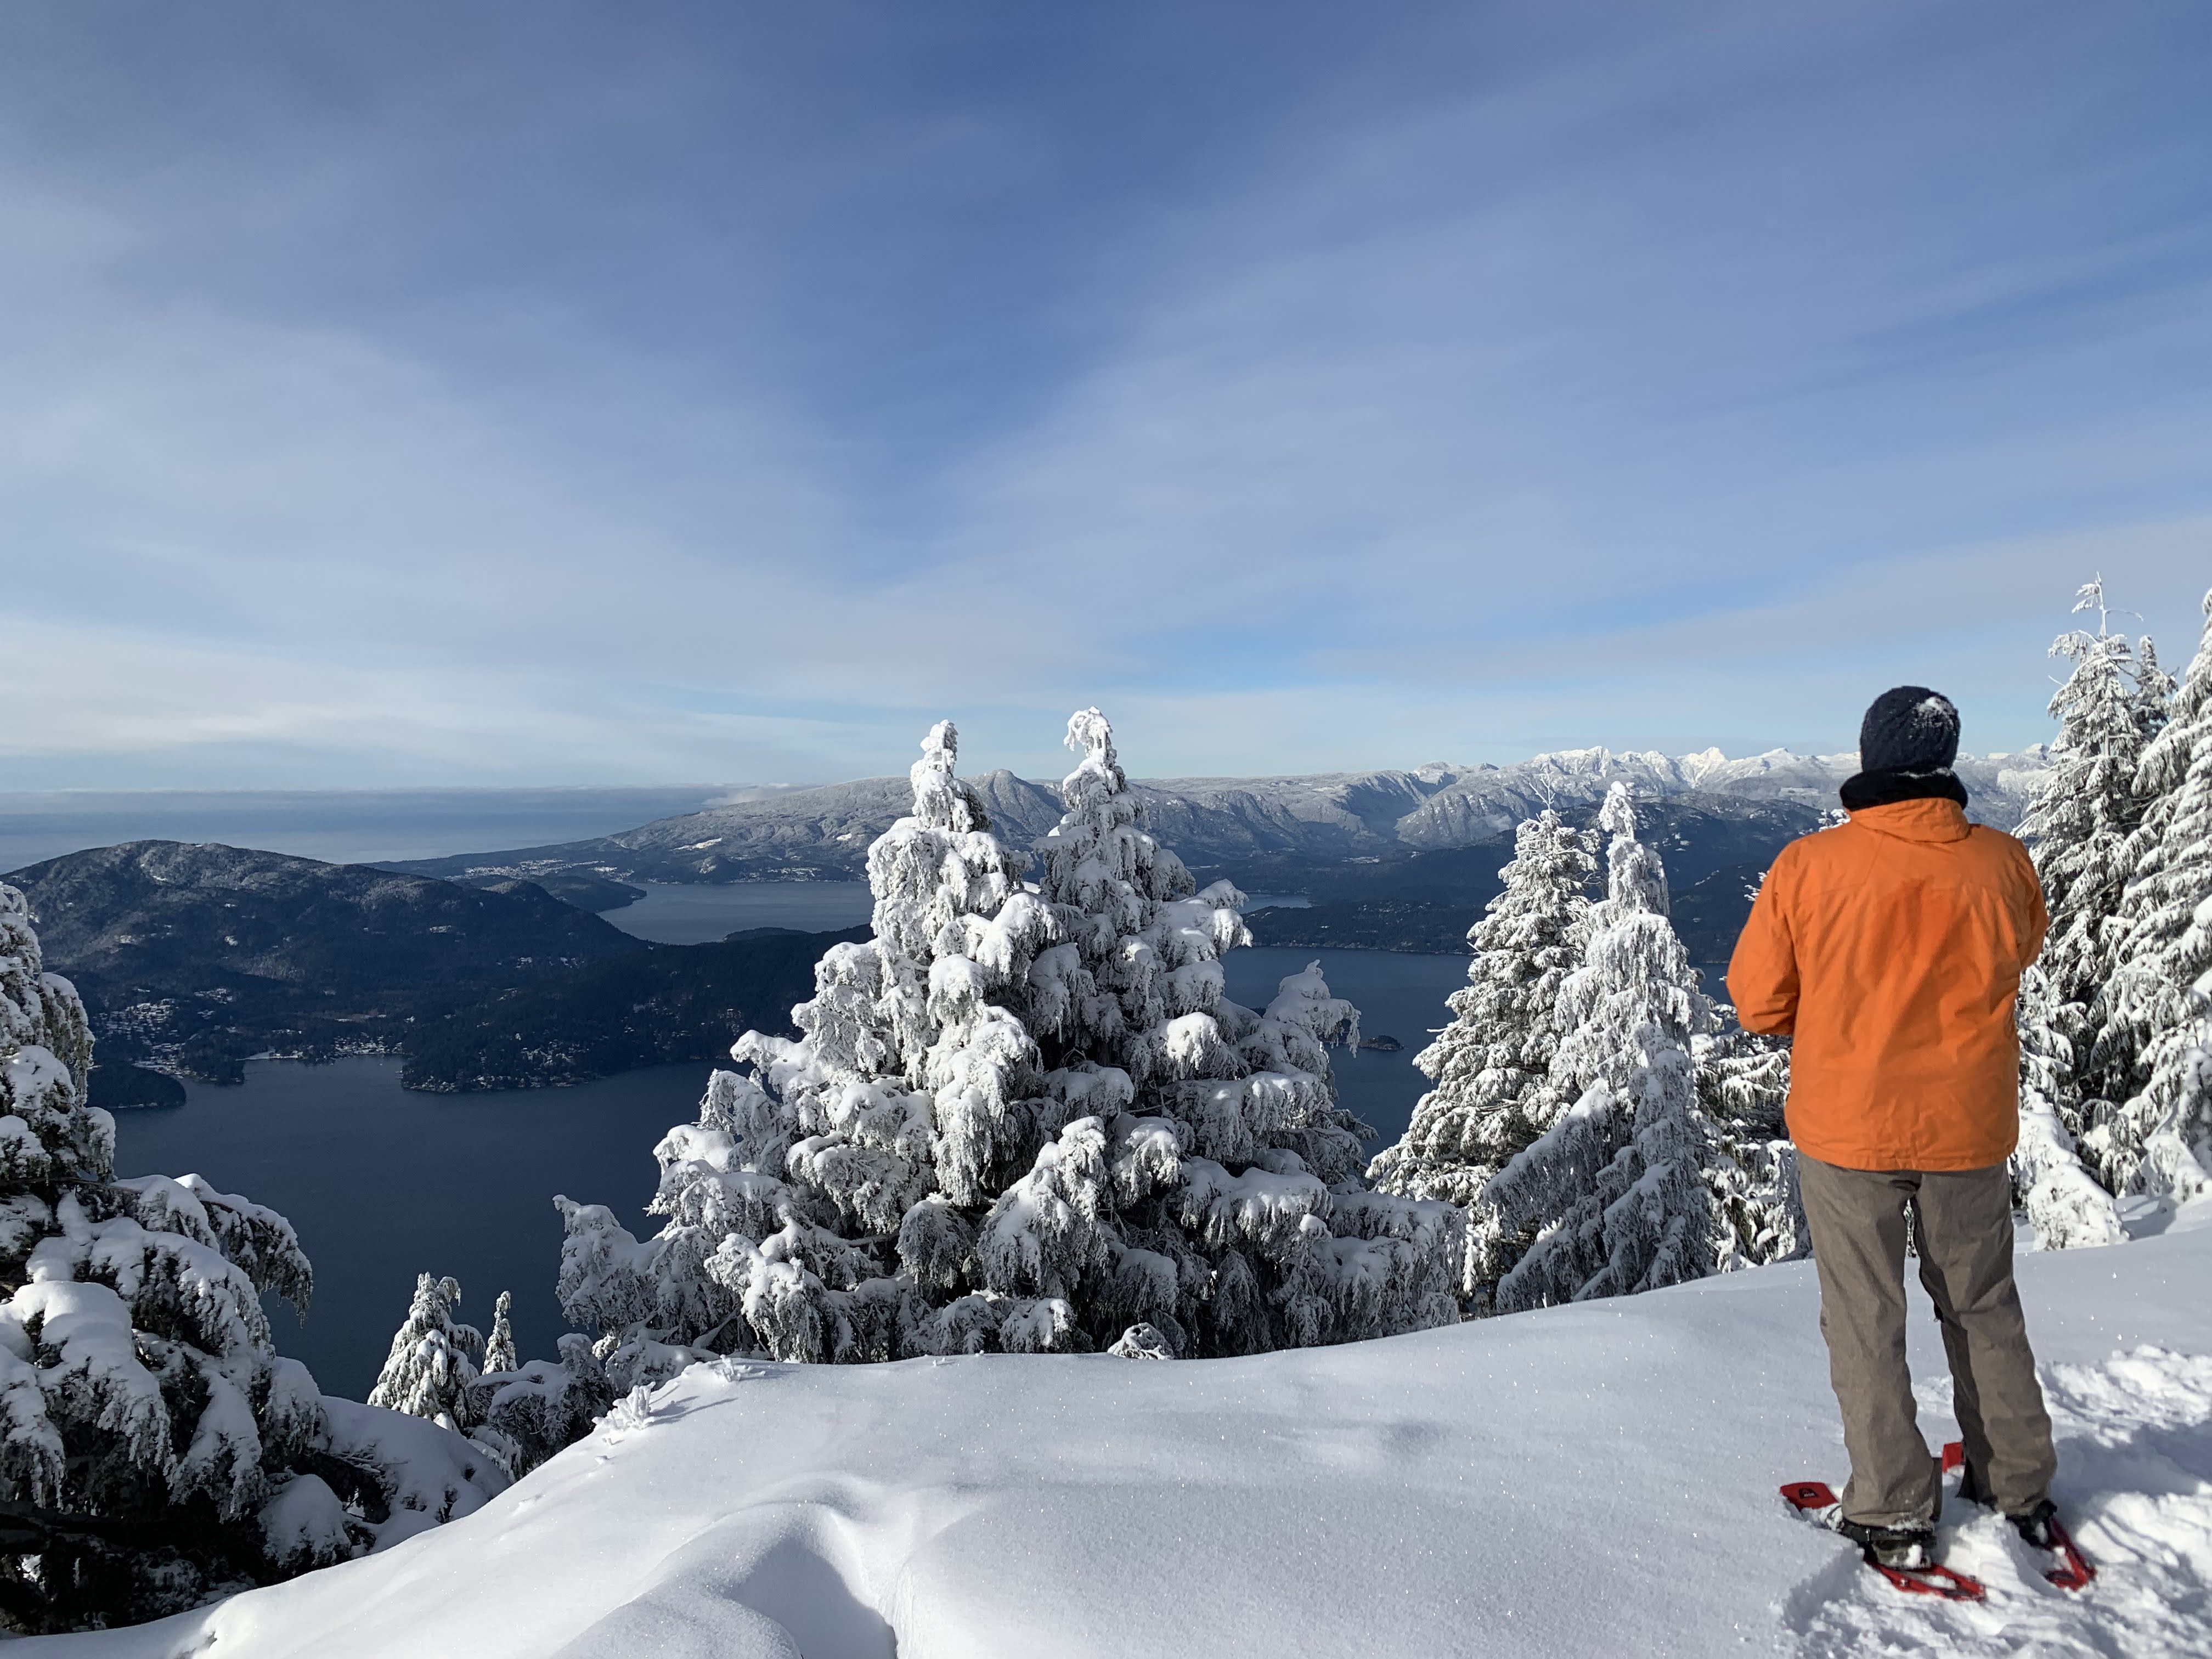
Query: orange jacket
{"type": "Point", "coordinates": [1892, 947]}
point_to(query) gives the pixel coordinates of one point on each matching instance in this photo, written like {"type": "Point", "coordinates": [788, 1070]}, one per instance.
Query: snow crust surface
{"type": "Point", "coordinates": [1596, 1477]}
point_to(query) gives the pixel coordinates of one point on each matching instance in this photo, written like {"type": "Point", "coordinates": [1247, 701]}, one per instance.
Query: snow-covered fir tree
{"type": "Point", "coordinates": [2150, 1131]}
{"type": "Point", "coordinates": [1202, 1177]}
{"type": "Point", "coordinates": [499, 1347]}
{"type": "Point", "coordinates": [2064, 1204]}
{"type": "Point", "coordinates": [2084, 817]}
{"type": "Point", "coordinates": [433, 1359]}
{"type": "Point", "coordinates": [1743, 1082]}
{"type": "Point", "coordinates": [154, 1450]}
{"type": "Point", "coordinates": [1491, 1065]}
{"type": "Point", "coordinates": [1019, 1117]}
{"type": "Point", "coordinates": [1743, 1086]}
{"type": "Point", "coordinates": [1616, 1190]}
{"type": "Point", "coordinates": [837, 1137]}
{"type": "Point", "coordinates": [2155, 692]}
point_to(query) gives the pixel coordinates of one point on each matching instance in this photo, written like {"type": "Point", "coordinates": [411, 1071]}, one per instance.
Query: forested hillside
{"type": "Point", "coordinates": [204, 955]}
{"type": "Point", "coordinates": [674, 1002]}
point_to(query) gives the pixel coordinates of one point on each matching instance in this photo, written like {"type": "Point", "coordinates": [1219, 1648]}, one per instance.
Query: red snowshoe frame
{"type": "Point", "coordinates": [1814, 1496]}
{"type": "Point", "coordinates": [2074, 1571]}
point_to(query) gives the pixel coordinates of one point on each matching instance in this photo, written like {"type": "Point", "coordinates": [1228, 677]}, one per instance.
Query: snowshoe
{"type": "Point", "coordinates": [2042, 1529]}
{"type": "Point", "coordinates": [1902, 1555]}
{"type": "Point", "coordinates": [2039, 1528]}
{"type": "Point", "coordinates": [1911, 1547]}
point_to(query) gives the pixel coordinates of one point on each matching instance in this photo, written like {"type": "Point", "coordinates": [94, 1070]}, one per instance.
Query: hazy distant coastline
{"type": "Point", "coordinates": [340, 826]}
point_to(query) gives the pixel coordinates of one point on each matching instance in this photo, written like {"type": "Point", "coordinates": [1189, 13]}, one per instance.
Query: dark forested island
{"type": "Point", "coordinates": [197, 958]}
{"type": "Point", "coordinates": [581, 888]}
{"type": "Point", "coordinates": [674, 1002]}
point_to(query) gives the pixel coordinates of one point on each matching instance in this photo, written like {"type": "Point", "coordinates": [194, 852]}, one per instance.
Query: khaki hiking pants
{"type": "Point", "coordinates": [1962, 1224]}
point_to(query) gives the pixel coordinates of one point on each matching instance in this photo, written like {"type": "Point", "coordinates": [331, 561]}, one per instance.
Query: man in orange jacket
{"type": "Point", "coordinates": [1890, 948]}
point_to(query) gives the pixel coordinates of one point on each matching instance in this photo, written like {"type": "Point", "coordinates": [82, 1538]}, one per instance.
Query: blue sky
{"type": "Point", "coordinates": [479, 393]}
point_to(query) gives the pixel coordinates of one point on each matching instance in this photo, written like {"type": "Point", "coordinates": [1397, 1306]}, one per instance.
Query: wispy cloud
{"type": "Point", "coordinates": [729, 402]}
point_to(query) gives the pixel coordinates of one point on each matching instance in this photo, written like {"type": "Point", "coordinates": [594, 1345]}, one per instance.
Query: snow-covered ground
{"type": "Point", "coordinates": [1593, 1479]}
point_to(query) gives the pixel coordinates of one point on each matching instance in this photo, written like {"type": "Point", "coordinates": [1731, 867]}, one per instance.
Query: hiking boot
{"type": "Point", "coordinates": [2037, 1525]}
{"type": "Point", "coordinates": [1891, 1546]}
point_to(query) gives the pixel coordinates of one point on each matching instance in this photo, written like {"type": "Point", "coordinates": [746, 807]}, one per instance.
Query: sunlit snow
{"type": "Point", "coordinates": [1593, 1479]}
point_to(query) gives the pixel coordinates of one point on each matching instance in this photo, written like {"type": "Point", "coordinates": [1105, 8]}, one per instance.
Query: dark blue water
{"type": "Point", "coordinates": [341, 826]}
{"type": "Point", "coordinates": [383, 1184]}
{"type": "Point", "coordinates": [1398, 995]}
{"type": "Point", "coordinates": [676, 914]}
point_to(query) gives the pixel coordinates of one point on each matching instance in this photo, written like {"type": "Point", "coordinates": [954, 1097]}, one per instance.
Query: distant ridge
{"type": "Point", "coordinates": [193, 958]}
{"type": "Point", "coordinates": [823, 833]}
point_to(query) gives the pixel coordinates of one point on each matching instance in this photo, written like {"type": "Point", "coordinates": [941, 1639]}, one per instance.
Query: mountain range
{"type": "Point", "coordinates": [1216, 824]}
{"type": "Point", "coordinates": [1714, 847]}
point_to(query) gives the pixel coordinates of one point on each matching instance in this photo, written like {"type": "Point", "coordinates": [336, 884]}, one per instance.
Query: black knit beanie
{"type": "Point", "coordinates": [1910, 729]}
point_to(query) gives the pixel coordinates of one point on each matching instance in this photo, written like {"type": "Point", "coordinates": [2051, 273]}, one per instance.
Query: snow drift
{"type": "Point", "coordinates": [1591, 1479]}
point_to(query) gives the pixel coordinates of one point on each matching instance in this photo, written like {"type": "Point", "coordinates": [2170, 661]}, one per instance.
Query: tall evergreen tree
{"type": "Point", "coordinates": [1019, 1117]}
{"type": "Point", "coordinates": [1491, 1065]}
{"type": "Point", "coordinates": [836, 1137]}
{"type": "Point", "coordinates": [499, 1346]}
{"type": "Point", "coordinates": [1616, 1190]}
{"type": "Point", "coordinates": [2088, 808]}
{"type": "Point", "coordinates": [1205, 1181]}
{"type": "Point", "coordinates": [154, 1450]}
{"type": "Point", "coordinates": [2155, 692]}
{"type": "Point", "coordinates": [2149, 1132]}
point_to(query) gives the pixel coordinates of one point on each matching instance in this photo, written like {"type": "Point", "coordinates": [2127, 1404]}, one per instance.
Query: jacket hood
{"type": "Point", "coordinates": [1939, 819]}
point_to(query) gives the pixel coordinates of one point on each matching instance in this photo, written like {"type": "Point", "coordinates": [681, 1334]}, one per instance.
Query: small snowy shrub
{"type": "Point", "coordinates": [499, 1346]}
{"type": "Point", "coordinates": [1021, 1117]}
{"type": "Point", "coordinates": [1743, 1080]}
{"type": "Point", "coordinates": [516, 1413]}
{"type": "Point", "coordinates": [1141, 1342]}
{"type": "Point", "coordinates": [155, 1450]}
{"type": "Point", "coordinates": [2064, 1204]}
{"type": "Point", "coordinates": [525, 1411]}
